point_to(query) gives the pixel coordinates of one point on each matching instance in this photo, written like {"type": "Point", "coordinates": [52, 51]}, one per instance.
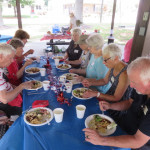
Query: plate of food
{"type": "Point", "coordinates": [61, 58]}
{"type": "Point", "coordinates": [32, 71]}
{"type": "Point", "coordinates": [38, 116]}
{"type": "Point", "coordinates": [36, 85]}
{"type": "Point", "coordinates": [78, 93]}
{"type": "Point", "coordinates": [103, 124]}
{"type": "Point", "coordinates": [63, 66]}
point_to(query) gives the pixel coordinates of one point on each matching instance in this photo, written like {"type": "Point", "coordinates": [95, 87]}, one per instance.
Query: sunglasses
{"type": "Point", "coordinates": [105, 60]}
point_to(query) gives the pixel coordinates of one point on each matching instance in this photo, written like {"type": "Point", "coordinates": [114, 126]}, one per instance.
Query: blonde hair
{"type": "Point", "coordinates": [113, 50]}
{"type": "Point", "coordinates": [95, 40]}
{"type": "Point", "coordinates": [76, 30]}
{"type": "Point", "coordinates": [142, 65]}
{"type": "Point", "coordinates": [6, 49]}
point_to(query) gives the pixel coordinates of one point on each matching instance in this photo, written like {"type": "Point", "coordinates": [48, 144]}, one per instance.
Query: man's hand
{"type": "Point", "coordinates": [104, 105]}
{"type": "Point", "coordinates": [86, 83]}
{"type": "Point", "coordinates": [93, 137]}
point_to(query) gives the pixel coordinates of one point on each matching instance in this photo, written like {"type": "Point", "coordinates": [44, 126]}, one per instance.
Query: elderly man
{"type": "Point", "coordinates": [137, 120]}
{"type": "Point", "coordinates": [7, 93]}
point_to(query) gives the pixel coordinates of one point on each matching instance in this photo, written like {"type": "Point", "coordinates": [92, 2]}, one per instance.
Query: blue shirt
{"type": "Point", "coordinates": [97, 70]}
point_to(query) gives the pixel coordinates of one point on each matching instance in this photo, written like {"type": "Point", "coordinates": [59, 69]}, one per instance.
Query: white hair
{"type": "Point", "coordinates": [95, 40]}
{"type": "Point", "coordinates": [6, 49]}
{"type": "Point", "coordinates": [76, 30]}
{"type": "Point", "coordinates": [113, 50]}
{"type": "Point", "coordinates": [142, 65]}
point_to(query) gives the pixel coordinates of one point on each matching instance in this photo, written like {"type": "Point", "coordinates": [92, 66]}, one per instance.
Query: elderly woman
{"type": "Point", "coordinates": [96, 69]}
{"type": "Point", "coordinates": [84, 59]}
{"type": "Point", "coordinates": [117, 76]}
{"type": "Point", "coordinates": [14, 73]}
{"type": "Point", "coordinates": [23, 36]}
{"type": "Point", "coordinates": [74, 52]}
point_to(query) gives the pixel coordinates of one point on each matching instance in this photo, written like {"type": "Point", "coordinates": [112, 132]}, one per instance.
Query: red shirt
{"type": "Point", "coordinates": [12, 73]}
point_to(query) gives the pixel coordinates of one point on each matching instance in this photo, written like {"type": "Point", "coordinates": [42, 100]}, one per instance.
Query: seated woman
{"type": "Point", "coordinates": [96, 69]}
{"type": "Point", "coordinates": [23, 36]}
{"type": "Point", "coordinates": [7, 93]}
{"type": "Point", "coordinates": [14, 73]}
{"type": "Point", "coordinates": [73, 52]}
{"type": "Point", "coordinates": [84, 59]}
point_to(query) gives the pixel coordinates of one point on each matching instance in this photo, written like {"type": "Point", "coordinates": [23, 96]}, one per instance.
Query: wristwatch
{"type": "Point", "coordinates": [98, 94]}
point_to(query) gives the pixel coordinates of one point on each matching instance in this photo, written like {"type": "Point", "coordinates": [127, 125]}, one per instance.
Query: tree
{"type": "Point", "coordinates": [1, 19]}
{"type": "Point", "coordinates": [22, 2]}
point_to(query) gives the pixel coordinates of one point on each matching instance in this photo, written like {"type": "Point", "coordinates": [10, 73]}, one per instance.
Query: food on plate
{"type": "Point", "coordinates": [36, 84]}
{"type": "Point", "coordinates": [58, 57]}
{"type": "Point", "coordinates": [70, 76]}
{"type": "Point", "coordinates": [101, 124]}
{"type": "Point", "coordinates": [33, 70]}
{"type": "Point", "coordinates": [38, 116]}
{"type": "Point", "coordinates": [63, 66]}
{"type": "Point", "coordinates": [79, 92]}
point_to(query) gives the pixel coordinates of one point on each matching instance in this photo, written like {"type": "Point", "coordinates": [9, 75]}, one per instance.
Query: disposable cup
{"type": "Point", "coordinates": [38, 59]}
{"type": "Point", "coordinates": [43, 71]}
{"type": "Point", "coordinates": [68, 87]}
{"type": "Point", "coordinates": [58, 114]}
{"type": "Point", "coordinates": [80, 110]}
{"type": "Point", "coordinates": [46, 85]}
{"type": "Point", "coordinates": [56, 62]}
{"type": "Point", "coordinates": [62, 79]}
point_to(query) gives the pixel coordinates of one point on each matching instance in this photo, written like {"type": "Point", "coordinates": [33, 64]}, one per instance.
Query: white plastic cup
{"type": "Point", "coordinates": [58, 114]}
{"type": "Point", "coordinates": [62, 79]}
{"type": "Point", "coordinates": [46, 85]}
{"type": "Point", "coordinates": [43, 71]}
{"type": "Point", "coordinates": [80, 110]}
{"type": "Point", "coordinates": [68, 87]}
{"type": "Point", "coordinates": [56, 62]}
{"type": "Point", "coordinates": [38, 59]}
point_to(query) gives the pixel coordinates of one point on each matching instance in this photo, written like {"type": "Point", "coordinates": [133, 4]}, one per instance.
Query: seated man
{"type": "Point", "coordinates": [136, 122]}
{"type": "Point", "coordinates": [7, 93]}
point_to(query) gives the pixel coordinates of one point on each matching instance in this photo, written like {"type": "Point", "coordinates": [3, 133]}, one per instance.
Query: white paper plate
{"type": "Point", "coordinates": [32, 73]}
{"type": "Point", "coordinates": [38, 87]}
{"type": "Point", "coordinates": [78, 97]}
{"type": "Point", "coordinates": [48, 120]}
{"type": "Point", "coordinates": [69, 66]}
{"type": "Point", "coordinates": [73, 74]}
{"type": "Point", "coordinates": [108, 132]}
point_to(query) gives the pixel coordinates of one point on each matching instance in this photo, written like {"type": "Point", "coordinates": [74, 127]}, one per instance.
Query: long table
{"type": "Point", "coordinates": [67, 135]}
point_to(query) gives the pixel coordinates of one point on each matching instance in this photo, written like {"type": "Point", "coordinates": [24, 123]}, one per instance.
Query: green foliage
{"type": "Point", "coordinates": [22, 2]}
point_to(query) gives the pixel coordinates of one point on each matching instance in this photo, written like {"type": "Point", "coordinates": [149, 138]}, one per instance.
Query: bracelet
{"type": "Point", "coordinates": [98, 94]}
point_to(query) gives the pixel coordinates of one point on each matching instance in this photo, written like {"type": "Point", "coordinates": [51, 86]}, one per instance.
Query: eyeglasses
{"type": "Point", "coordinates": [105, 60]}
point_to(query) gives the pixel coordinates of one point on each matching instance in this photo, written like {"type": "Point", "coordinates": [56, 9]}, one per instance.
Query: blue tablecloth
{"type": "Point", "coordinates": [5, 38]}
{"type": "Point", "coordinates": [67, 135]}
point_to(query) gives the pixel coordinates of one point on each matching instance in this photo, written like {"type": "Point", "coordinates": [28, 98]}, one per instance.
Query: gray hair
{"type": "Point", "coordinates": [142, 65]}
{"type": "Point", "coordinates": [6, 49]}
{"type": "Point", "coordinates": [15, 42]}
{"type": "Point", "coordinates": [76, 30]}
{"type": "Point", "coordinates": [95, 40]}
{"type": "Point", "coordinates": [113, 50]}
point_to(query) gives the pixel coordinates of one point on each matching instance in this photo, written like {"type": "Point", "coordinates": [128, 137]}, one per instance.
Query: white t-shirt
{"type": "Point", "coordinates": [73, 22]}
{"type": "Point", "coordinates": [3, 84]}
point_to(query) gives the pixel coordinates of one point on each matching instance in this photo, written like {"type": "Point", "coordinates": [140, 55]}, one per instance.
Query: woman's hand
{"type": "Point", "coordinates": [86, 83]}
{"type": "Point", "coordinates": [80, 78]}
{"type": "Point", "coordinates": [31, 51]}
{"type": "Point", "coordinates": [27, 85]}
{"type": "Point", "coordinates": [67, 62]}
{"type": "Point", "coordinates": [28, 62]}
{"type": "Point", "coordinates": [93, 137]}
{"type": "Point", "coordinates": [73, 70]}
{"type": "Point", "coordinates": [90, 93]}
{"type": "Point", "coordinates": [104, 105]}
